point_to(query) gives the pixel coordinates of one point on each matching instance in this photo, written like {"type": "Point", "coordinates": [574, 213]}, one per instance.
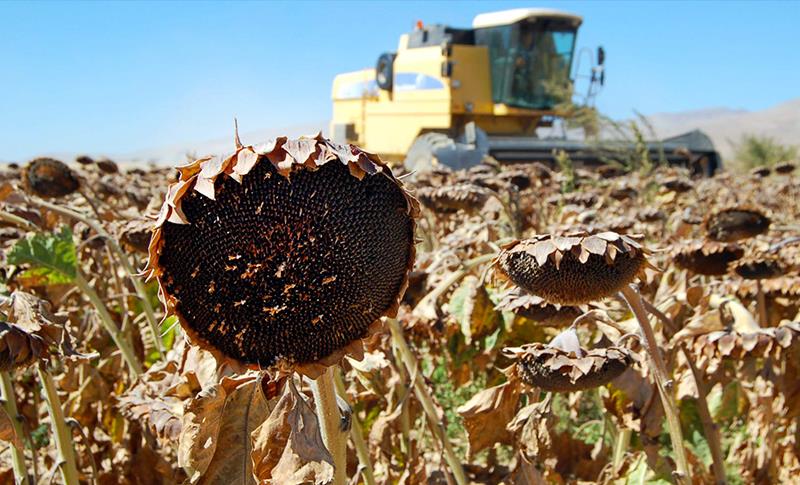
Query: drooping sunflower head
{"type": "Point", "coordinates": [707, 257]}
{"type": "Point", "coordinates": [759, 266]}
{"type": "Point", "coordinates": [573, 269]}
{"type": "Point", "coordinates": [562, 365]}
{"type": "Point", "coordinates": [736, 223]}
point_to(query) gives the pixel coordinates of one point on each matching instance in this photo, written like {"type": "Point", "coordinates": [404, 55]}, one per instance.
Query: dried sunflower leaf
{"type": "Point", "coordinates": [7, 431]}
{"type": "Point", "coordinates": [215, 445]}
{"type": "Point", "coordinates": [487, 414]}
{"type": "Point", "coordinates": [305, 459]}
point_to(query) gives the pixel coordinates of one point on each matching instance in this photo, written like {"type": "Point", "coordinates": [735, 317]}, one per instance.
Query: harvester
{"type": "Point", "coordinates": [450, 96]}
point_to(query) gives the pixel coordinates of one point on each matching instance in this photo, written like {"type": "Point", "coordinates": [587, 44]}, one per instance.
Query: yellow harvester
{"type": "Point", "coordinates": [450, 96]}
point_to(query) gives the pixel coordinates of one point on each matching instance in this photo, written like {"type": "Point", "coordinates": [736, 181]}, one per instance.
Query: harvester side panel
{"type": "Point", "coordinates": [420, 99]}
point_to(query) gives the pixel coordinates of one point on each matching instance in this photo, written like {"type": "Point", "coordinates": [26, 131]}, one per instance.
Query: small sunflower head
{"type": "Point", "coordinates": [707, 257]}
{"type": "Point", "coordinates": [785, 168]}
{"type": "Point", "coordinates": [736, 223]}
{"type": "Point", "coordinates": [564, 366]}
{"type": "Point", "coordinates": [537, 309]}
{"type": "Point", "coordinates": [466, 196]}
{"type": "Point", "coordinates": [49, 178]}
{"type": "Point", "coordinates": [759, 266]}
{"type": "Point", "coordinates": [573, 269]}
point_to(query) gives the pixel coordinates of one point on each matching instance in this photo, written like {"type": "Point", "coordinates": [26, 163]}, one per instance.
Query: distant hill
{"type": "Point", "coordinates": [726, 126]}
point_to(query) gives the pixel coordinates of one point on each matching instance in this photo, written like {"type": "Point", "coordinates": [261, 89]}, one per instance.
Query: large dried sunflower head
{"type": "Point", "coordinates": [466, 196]}
{"type": "Point", "coordinates": [285, 253]}
{"type": "Point", "coordinates": [735, 223]}
{"type": "Point", "coordinates": [573, 269]}
{"type": "Point", "coordinates": [556, 367]}
{"type": "Point", "coordinates": [48, 177]}
{"type": "Point", "coordinates": [707, 257]}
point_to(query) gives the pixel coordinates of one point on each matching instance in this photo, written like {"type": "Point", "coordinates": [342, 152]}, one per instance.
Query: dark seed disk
{"type": "Point", "coordinates": [288, 268]}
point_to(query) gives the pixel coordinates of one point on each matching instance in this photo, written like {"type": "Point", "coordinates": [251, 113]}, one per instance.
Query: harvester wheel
{"type": "Point", "coordinates": [431, 150]}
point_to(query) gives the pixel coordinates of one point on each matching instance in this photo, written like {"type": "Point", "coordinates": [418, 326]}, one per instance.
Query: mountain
{"type": "Point", "coordinates": [726, 126]}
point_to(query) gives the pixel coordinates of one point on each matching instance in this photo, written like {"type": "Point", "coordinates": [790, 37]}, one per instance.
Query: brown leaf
{"type": "Point", "coordinates": [34, 316]}
{"type": "Point", "coordinates": [215, 445]}
{"type": "Point", "coordinates": [525, 473]}
{"type": "Point", "coordinates": [288, 447]}
{"type": "Point", "coordinates": [7, 431]}
{"type": "Point", "coordinates": [487, 414]}
{"type": "Point", "coordinates": [475, 311]}
{"type": "Point", "coordinates": [382, 430]}
{"type": "Point", "coordinates": [201, 422]}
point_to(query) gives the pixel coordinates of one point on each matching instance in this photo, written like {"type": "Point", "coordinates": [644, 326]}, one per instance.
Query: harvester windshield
{"type": "Point", "coordinates": [530, 61]}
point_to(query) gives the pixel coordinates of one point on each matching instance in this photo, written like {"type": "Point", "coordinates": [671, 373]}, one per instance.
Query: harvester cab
{"type": "Point", "coordinates": [450, 96]}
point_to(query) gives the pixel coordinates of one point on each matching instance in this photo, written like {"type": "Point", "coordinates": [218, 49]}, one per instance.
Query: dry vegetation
{"type": "Point", "coordinates": [559, 326]}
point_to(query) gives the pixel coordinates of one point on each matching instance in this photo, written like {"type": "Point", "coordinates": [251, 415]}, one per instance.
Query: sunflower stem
{"type": "Point", "coordinates": [621, 445]}
{"type": "Point", "coordinates": [58, 425]}
{"type": "Point", "coordinates": [335, 440]}
{"type": "Point", "coordinates": [663, 383]}
{"type": "Point", "coordinates": [422, 394]}
{"type": "Point", "coordinates": [356, 434]}
{"type": "Point", "coordinates": [109, 325]}
{"type": "Point", "coordinates": [10, 406]}
{"type": "Point", "coordinates": [17, 220]}
{"type": "Point", "coordinates": [402, 393]}
{"type": "Point", "coordinates": [762, 305]}
{"type": "Point", "coordinates": [123, 260]}
{"type": "Point", "coordinates": [710, 428]}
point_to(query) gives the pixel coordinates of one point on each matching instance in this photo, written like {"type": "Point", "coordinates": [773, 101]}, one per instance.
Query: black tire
{"type": "Point", "coordinates": [384, 71]}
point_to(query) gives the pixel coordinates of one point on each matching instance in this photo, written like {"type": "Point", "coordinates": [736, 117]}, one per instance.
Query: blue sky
{"type": "Point", "coordinates": [120, 77]}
